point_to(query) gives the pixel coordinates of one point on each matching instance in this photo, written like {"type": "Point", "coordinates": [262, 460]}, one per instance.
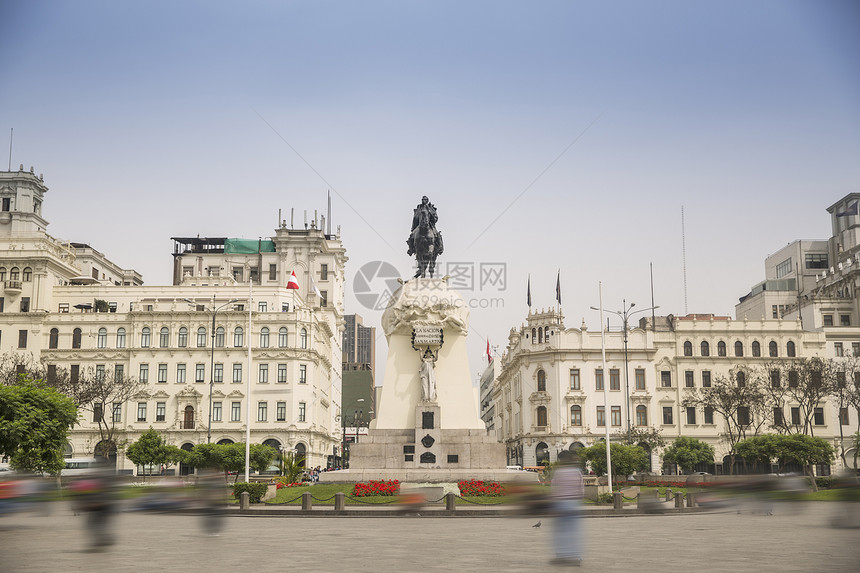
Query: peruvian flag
{"type": "Point", "coordinates": [489, 356]}
{"type": "Point", "coordinates": [294, 281]}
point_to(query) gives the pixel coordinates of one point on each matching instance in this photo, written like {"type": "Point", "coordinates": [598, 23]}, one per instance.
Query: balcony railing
{"type": "Point", "coordinates": [13, 286]}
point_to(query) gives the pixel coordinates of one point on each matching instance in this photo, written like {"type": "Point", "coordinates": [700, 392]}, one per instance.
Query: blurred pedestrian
{"type": "Point", "coordinates": [566, 492]}
{"type": "Point", "coordinates": [95, 495]}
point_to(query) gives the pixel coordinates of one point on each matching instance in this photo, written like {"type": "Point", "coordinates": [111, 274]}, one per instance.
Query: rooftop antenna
{"type": "Point", "coordinates": [292, 217]}
{"type": "Point", "coordinates": [684, 258]}
{"type": "Point", "coordinates": [653, 315]}
{"type": "Point", "coordinates": [328, 214]}
{"type": "Point", "coordinates": [11, 133]}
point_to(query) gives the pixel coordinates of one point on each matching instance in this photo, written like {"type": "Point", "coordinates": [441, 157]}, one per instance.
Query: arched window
{"type": "Point", "coordinates": [576, 415]}
{"type": "Point", "coordinates": [238, 337]}
{"type": "Point", "coordinates": [534, 336]}
{"type": "Point", "coordinates": [688, 348]}
{"type": "Point", "coordinates": [739, 348]}
{"type": "Point", "coordinates": [303, 338]}
{"type": "Point", "coordinates": [641, 415]}
{"type": "Point", "coordinates": [219, 337]}
{"type": "Point", "coordinates": [2, 274]}
{"type": "Point", "coordinates": [201, 337]}
{"type": "Point", "coordinates": [789, 349]}
{"type": "Point", "coordinates": [14, 274]}
{"type": "Point", "coordinates": [54, 338]}
{"type": "Point", "coordinates": [542, 453]}
{"type": "Point", "coordinates": [541, 384]}
{"type": "Point", "coordinates": [546, 334]}
{"type": "Point", "coordinates": [741, 378]}
{"type": "Point", "coordinates": [721, 348]}
{"type": "Point", "coordinates": [756, 348]}
{"type": "Point", "coordinates": [541, 416]}
{"type": "Point", "coordinates": [301, 453]}
{"type": "Point", "coordinates": [706, 348]}
{"type": "Point", "coordinates": [773, 349]}
{"type": "Point", "coordinates": [188, 421]}
{"type": "Point", "coordinates": [164, 337]}
{"type": "Point", "coordinates": [101, 341]}
{"type": "Point", "coordinates": [282, 337]}
{"type": "Point", "coordinates": [540, 335]}
{"type": "Point", "coordinates": [27, 275]}
{"type": "Point", "coordinates": [120, 337]}
{"type": "Point", "coordinates": [182, 341]}
{"type": "Point", "coordinates": [76, 338]}
{"type": "Point", "coordinates": [144, 337]}
{"type": "Point", "coordinates": [264, 337]}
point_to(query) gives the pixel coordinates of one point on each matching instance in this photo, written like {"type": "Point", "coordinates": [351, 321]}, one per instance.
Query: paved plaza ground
{"type": "Point", "coordinates": [799, 538]}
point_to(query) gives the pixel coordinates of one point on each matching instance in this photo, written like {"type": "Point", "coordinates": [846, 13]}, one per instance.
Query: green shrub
{"type": "Point", "coordinates": [605, 498]}
{"type": "Point", "coordinates": [824, 482]}
{"type": "Point", "coordinates": [255, 490]}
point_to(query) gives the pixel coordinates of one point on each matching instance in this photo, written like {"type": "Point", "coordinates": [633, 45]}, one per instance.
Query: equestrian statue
{"type": "Point", "coordinates": [425, 242]}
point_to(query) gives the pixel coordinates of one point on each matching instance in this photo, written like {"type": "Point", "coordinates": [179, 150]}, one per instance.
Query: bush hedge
{"type": "Point", "coordinates": [255, 490]}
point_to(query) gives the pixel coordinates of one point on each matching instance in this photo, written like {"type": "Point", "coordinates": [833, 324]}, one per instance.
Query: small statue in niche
{"type": "Point", "coordinates": [428, 376]}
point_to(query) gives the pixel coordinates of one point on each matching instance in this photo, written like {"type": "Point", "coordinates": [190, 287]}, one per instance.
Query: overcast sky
{"type": "Point", "coordinates": [550, 135]}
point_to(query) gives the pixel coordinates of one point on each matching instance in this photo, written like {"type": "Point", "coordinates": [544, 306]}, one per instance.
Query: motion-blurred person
{"type": "Point", "coordinates": [95, 496]}
{"type": "Point", "coordinates": [210, 486]}
{"type": "Point", "coordinates": [567, 491]}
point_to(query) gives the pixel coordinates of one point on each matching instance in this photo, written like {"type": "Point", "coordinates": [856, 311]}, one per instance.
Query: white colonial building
{"type": "Point", "coordinates": [65, 306]}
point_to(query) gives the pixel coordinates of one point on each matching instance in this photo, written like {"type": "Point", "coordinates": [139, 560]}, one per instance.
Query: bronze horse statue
{"type": "Point", "coordinates": [426, 243]}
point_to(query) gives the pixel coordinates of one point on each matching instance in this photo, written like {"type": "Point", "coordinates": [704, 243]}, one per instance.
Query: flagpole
{"type": "Point", "coordinates": [248, 386]}
{"type": "Point", "coordinates": [605, 391]}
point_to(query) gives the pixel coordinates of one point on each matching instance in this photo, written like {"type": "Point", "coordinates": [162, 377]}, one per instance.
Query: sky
{"type": "Point", "coordinates": [553, 137]}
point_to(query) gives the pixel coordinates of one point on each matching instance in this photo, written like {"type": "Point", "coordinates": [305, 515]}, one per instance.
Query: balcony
{"type": "Point", "coordinates": [13, 287]}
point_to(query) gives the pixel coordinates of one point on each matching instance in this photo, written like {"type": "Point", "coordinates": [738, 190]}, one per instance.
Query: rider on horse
{"type": "Point", "coordinates": [425, 241]}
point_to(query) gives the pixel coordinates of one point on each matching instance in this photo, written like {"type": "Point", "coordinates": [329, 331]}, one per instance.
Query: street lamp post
{"type": "Point", "coordinates": [214, 310]}
{"type": "Point", "coordinates": [625, 315]}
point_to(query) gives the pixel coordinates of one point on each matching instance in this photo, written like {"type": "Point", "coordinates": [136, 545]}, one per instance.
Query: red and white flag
{"type": "Point", "coordinates": [489, 356]}
{"type": "Point", "coordinates": [294, 281]}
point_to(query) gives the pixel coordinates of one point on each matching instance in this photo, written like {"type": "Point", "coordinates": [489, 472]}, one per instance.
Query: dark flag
{"type": "Point", "coordinates": [558, 288]}
{"type": "Point", "coordinates": [529, 292]}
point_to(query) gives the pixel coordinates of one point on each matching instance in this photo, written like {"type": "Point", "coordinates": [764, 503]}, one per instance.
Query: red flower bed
{"type": "Point", "coordinates": [374, 487]}
{"type": "Point", "coordinates": [480, 488]}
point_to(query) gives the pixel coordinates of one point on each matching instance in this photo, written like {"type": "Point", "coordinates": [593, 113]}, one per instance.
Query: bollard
{"type": "Point", "coordinates": [450, 502]}
{"type": "Point", "coordinates": [679, 500]}
{"type": "Point", "coordinates": [339, 500]}
{"type": "Point", "coordinates": [617, 500]}
{"type": "Point", "coordinates": [307, 503]}
{"type": "Point", "coordinates": [244, 500]}
{"type": "Point", "coordinates": [691, 499]}
{"type": "Point", "coordinates": [668, 494]}
{"type": "Point", "coordinates": [639, 500]}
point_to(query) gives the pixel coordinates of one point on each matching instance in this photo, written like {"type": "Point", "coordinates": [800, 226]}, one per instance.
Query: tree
{"type": "Point", "coordinates": [761, 450]}
{"type": "Point", "coordinates": [804, 450]}
{"type": "Point", "coordinates": [688, 452]}
{"type": "Point", "coordinates": [152, 450]}
{"type": "Point", "coordinates": [292, 466]}
{"type": "Point", "coordinates": [626, 460]}
{"type": "Point", "coordinates": [34, 425]}
{"type": "Point", "coordinates": [651, 438]}
{"type": "Point", "coordinates": [800, 383]}
{"type": "Point", "coordinates": [230, 458]}
{"type": "Point", "coordinates": [261, 457]}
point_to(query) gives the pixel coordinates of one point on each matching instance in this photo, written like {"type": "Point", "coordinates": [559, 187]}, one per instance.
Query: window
{"type": "Point", "coordinates": [843, 416]}
{"type": "Point", "coordinates": [598, 379]}
{"type": "Point", "coordinates": [141, 411]}
{"type": "Point", "coordinates": [118, 373]}
{"type": "Point", "coordinates": [100, 372]}
{"type": "Point", "coordinates": [201, 337]}
{"type": "Point", "coordinates": [743, 416]}
{"type": "Point", "coordinates": [844, 319]}
{"type": "Point", "coordinates": [739, 348]}
{"type": "Point", "coordinates": [666, 379]}
{"type": "Point", "coordinates": [706, 348]}
{"type": "Point", "coordinates": [98, 414]}
{"type": "Point", "coordinates": [323, 298]}
{"type": "Point", "coordinates": [143, 374]}
{"type": "Point", "coordinates": [263, 374]}
{"type": "Point", "coordinates": [216, 412]}
{"type": "Point", "coordinates": [775, 379]}
{"type": "Point", "coordinates": [818, 416]}
{"type": "Point", "coordinates": [541, 416]}
{"type": "Point", "coordinates": [180, 373]}
{"type": "Point", "coordinates": [828, 319]}
{"type": "Point", "coordinates": [262, 411]}
{"type": "Point", "coordinates": [14, 274]}
{"type": "Point", "coordinates": [773, 349]}
{"type": "Point", "coordinates": [25, 304]}
{"type": "Point", "coordinates": [688, 348]}
{"type": "Point", "coordinates": [816, 260]}
{"type": "Point", "coordinates": [237, 373]}
{"type": "Point", "coordinates": [688, 379]}
{"type": "Point", "coordinates": [237, 274]}
{"type": "Point", "coordinates": [54, 338]}
{"type": "Point", "coordinates": [262, 306]}
{"type": "Point", "coordinates": [574, 379]}
{"type": "Point", "coordinates": [777, 417]}
{"type": "Point", "coordinates": [615, 415]}
{"type": "Point", "coordinates": [855, 349]}
{"type": "Point", "coordinates": [101, 340]}
{"type": "Point", "coordinates": [281, 412]}
{"type": "Point", "coordinates": [641, 415]}
{"type": "Point", "coordinates": [789, 349]}
{"type": "Point", "coordinates": [756, 348]}
{"type": "Point", "coordinates": [117, 412]}
{"type": "Point", "coordinates": [218, 373]}
{"type": "Point", "coordinates": [541, 383]}
{"type": "Point", "coordinates": [120, 338]}
{"type": "Point", "coordinates": [282, 373]}
{"type": "Point", "coordinates": [301, 411]}
{"type": "Point", "coordinates": [200, 372]}
{"type": "Point", "coordinates": [709, 415]}
{"type": "Point", "coordinates": [76, 338]}
{"type": "Point", "coordinates": [837, 349]}
{"type": "Point", "coordinates": [182, 340]}
{"type": "Point", "coordinates": [303, 338]}
{"type": "Point", "coordinates": [264, 337]}
{"type": "Point", "coordinates": [74, 372]}
{"type": "Point", "coordinates": [164, 337]}
{"type": "Point", "coordinates": [691, 415]}
{"type": "Point", "coordinates": [323, 272]}
{"type": "Point", "coordinates": [219, 337]}
{"type": "Point", "coordinates": [840, 379]}
{"type": "Point", "coordinates": [160, 408]}
{"type": "Point", "coordinates": [792, 379]}
{"type": "Point", "coordinates": [162, 373]}
{"type": "Point", "coordinates": [254, 274]}
{"type": "Point", "coordinates": [640, 378]}
{"type": "Point", "coordinates": [601, 416]}
{"type": "Point", "coordinates": [282, 337]}
{"type": "Point", "coordinates": [706, 378]}
{"type": "Point", "coordinates": [741, 378]}
{"type": "Point", "coordinates": [783, 268]}
{"type": "Point", "coordinates": [144, 337]}
{"type": "Point", "coordinates": [667, 415]}
{"type": "Point", "coordinates": [614, 379]}
{"type": "Point", "coordinates": [721, 348]}
{"type": "Point", "coordinates": [236, 411]}
{"type": "Point", "coordinates": [795, 416]}
{"type": "Point", "coordinates": [303, 374]}
{"type": "Point", "coordinates": [576, 415]}
{"type": "Point", "coordinates": [238, 337]}
{"type": "Point", "coordinates": [273, 272]}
